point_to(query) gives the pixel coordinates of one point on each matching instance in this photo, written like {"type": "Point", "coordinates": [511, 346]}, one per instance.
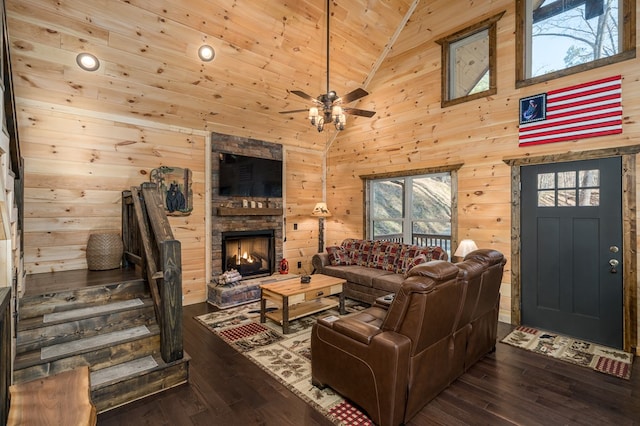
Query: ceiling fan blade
{"type": "Point", "coordinates": [295, 110]}
{"type": "Point", "coordinates": [360, 112]}
{"type": "Point", "coordinates": [355, 95]}
{"type": "Point", "coordinates": [303, 95]}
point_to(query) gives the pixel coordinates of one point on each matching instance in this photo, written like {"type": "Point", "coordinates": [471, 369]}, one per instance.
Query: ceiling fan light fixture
{"type": "Point", "coordinates": [327, 109]}
{"type": "Point", "coordinates": [313, 115]}
{"type": "Point", "coordinates": [336, 112]}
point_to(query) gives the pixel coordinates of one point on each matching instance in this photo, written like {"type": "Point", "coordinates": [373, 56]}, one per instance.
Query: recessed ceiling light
{"type": "Point", "coordinates": [206, 53]}
{"type": "Point", "coordinates": [87, 61]}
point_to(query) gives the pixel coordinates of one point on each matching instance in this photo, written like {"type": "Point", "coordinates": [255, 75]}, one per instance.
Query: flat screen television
{"type": "Point", "coordinates": [244, 176]}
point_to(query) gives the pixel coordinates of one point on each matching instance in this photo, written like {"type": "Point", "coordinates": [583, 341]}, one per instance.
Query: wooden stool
{"type": "Point", "coordinates": [62, 399]}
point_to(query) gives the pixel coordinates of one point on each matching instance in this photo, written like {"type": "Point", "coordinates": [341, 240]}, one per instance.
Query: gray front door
{"type": "Point", "coordinates": [571, 234]}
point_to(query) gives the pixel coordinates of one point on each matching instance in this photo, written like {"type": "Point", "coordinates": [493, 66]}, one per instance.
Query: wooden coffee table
{"type": "Point", "coordinates": [296, 300]}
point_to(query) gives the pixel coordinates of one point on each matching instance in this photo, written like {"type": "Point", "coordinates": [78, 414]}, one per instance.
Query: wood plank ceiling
{"type": "Point", "coordinates": [150, 68]}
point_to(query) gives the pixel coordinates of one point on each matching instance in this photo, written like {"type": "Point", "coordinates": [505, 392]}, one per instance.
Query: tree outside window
{"type": "Point", "coordinates": [411, 209]}
{"type": "Point", "coordinates": [561, 37]}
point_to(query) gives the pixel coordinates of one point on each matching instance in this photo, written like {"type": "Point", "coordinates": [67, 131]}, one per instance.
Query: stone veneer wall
{"type": "Point", "coordinates": [221, 143]}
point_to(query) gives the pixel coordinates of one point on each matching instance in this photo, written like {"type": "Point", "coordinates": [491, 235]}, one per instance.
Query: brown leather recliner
{"type": "Point", "coordinates": [393, 362]}
{"type": "Point", "coordinates": [484, 318]}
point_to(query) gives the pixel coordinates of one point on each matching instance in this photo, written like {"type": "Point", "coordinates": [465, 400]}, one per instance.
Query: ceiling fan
{"type": "Point", "coordinates": [327, 107]}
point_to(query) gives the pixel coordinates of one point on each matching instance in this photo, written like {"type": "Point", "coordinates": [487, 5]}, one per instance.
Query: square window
{"type": "Point", "coordinates": [546, 180]}
{"type": "Point", "coordinates": [469, 62]}
{"type": "Point", "coordinates": [567, 198]}
{"type": "Point", "coordinates": [589, 178]}
{"type": "Point", "coordinates": [589, 197]}
{"type": "Point", "coordinates": [469, 65]}
{"type": "Point", "coordinates": [567, 179]}
{"type": "Point", "coordinates": [546, 198]}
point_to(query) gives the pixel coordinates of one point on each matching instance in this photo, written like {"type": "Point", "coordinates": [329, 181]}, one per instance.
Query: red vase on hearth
{"type": "Point", "coordinates": [284, 266]}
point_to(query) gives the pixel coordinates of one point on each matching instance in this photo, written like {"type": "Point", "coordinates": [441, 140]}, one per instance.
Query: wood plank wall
{"type": "Point", "coordinates": [76, 166]}
{"type": "Point", "coordinates": [88, 135]}
{"type": "Point", "coordinates": [412, 131]}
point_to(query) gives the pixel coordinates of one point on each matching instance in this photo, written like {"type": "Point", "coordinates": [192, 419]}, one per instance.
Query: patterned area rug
{"type": "Point", "coordinates": [600, 358]}
{"type": "Point", "coordinates": [285, 357]}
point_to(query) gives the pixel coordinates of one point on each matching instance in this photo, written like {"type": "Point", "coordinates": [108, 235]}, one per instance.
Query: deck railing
{"type": "Point", "coordinates": [149, 243]}
{"type": "Point", "coordinates": [422, 240]}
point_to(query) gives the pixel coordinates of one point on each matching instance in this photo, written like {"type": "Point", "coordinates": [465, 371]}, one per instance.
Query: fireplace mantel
{"type": "Point", "coordinates": [242, 211]}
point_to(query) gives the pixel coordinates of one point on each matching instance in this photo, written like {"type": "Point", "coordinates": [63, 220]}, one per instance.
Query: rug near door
{"type": "Point", "coordinates": [599, 358]}
{"type": "Point", "coordinates": [285, 357]}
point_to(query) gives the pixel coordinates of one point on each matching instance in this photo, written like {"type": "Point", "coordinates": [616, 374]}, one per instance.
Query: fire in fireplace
{"type": "Point", "coordinates": [251, 253]}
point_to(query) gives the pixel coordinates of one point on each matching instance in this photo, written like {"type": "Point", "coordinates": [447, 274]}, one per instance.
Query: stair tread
{"type": "Point", "coordinates": [91, 311]}
{"type": "Point", "coordinates": [34, 323]}
{"type": "Point", "coordinates": [139, 384]}
{"type": "Point", "coordinates": [93, 342]}
{"type": "Point", "coordinates": [125, 369]}
{"type": "Point", "coordinates": [41, 304]}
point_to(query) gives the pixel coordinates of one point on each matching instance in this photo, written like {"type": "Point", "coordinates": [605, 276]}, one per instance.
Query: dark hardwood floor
{"type": "Point", "coordinates": [510, 386]}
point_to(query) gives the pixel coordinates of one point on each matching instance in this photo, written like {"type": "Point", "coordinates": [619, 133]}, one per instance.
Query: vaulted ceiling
{"type": "Point", "coordinates": [150, 68]}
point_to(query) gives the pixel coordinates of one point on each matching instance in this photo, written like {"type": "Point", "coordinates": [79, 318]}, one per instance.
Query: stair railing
{"type": "Point", "coordinates": [149, 243]}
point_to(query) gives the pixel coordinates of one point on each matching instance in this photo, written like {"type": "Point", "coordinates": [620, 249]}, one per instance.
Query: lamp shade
{"type": "Point", "coordinates": [321, 210]}
{"type": "Point", "coordinates": [465, 247]}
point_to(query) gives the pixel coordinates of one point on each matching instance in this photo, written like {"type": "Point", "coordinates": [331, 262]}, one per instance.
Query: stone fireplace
{"type": "Point", "coordinates": [251, 253]}
{"type": "Point", "coordinates": [234, 218]}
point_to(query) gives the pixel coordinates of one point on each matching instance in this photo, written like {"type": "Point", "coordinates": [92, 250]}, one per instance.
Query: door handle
{"type": "Point", "coordinates": [613, 263]}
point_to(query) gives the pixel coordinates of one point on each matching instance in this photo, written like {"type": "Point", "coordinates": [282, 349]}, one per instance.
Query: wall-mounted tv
{"type": "Point", "coordinates": [244, 176]}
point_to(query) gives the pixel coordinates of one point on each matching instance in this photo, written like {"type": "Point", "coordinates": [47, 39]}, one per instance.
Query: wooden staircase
{"type": "Point", "coordinates": [111, 328]}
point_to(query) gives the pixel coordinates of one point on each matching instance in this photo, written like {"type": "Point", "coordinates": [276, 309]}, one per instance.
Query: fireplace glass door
{"type": "Point", "coordinates": [251, 253]}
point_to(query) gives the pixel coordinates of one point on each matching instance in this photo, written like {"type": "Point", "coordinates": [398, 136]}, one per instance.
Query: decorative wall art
{"type": "Point", "coordinates": [533, 108]}
{"type": "Point", "coordinates": [174, 185]}
{"type": "Point", "coordinates": [582, 111]}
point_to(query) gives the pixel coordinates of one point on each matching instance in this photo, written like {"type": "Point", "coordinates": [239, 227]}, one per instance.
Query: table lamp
{"type": "Point", "coordinates": [464, 248]}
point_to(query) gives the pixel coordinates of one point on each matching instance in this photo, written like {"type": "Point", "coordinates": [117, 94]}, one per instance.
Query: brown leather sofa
{"type": "Point", "coordinates": [392, 360]}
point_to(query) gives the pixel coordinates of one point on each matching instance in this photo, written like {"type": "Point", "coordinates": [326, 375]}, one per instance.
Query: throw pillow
{"type": "Point", "coordinates": [391, 254]}
{"type": "Point", "coordinates": [361, 257]}
{"type": "Point", "coordinates": [406, 256]}
{"type": "Point", "coordinates": [421, 258]}
{"type": "Point", "coordinates": [338, 256]}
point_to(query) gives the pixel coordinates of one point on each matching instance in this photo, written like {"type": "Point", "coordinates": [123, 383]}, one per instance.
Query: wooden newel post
{"type": "Point", "coordinates": [171, 296]}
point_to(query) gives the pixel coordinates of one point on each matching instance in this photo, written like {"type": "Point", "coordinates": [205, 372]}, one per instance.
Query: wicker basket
{"type": "Point", "coordinates": [104, 251]}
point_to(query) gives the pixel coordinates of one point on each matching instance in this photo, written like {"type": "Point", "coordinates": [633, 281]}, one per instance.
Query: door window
{"type": "Point", "coordinates": [569, 188]}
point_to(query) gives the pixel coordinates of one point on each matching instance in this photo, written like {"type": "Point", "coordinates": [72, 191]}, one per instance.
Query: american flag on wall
{"type": "Point", "coordinates": [577, 112]}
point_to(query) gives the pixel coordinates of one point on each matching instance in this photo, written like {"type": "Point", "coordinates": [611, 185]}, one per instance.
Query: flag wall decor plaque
{"type": "Point", "coordinates": [533, 108]}
{"type": "Point", "coordinates": [582, 111]}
